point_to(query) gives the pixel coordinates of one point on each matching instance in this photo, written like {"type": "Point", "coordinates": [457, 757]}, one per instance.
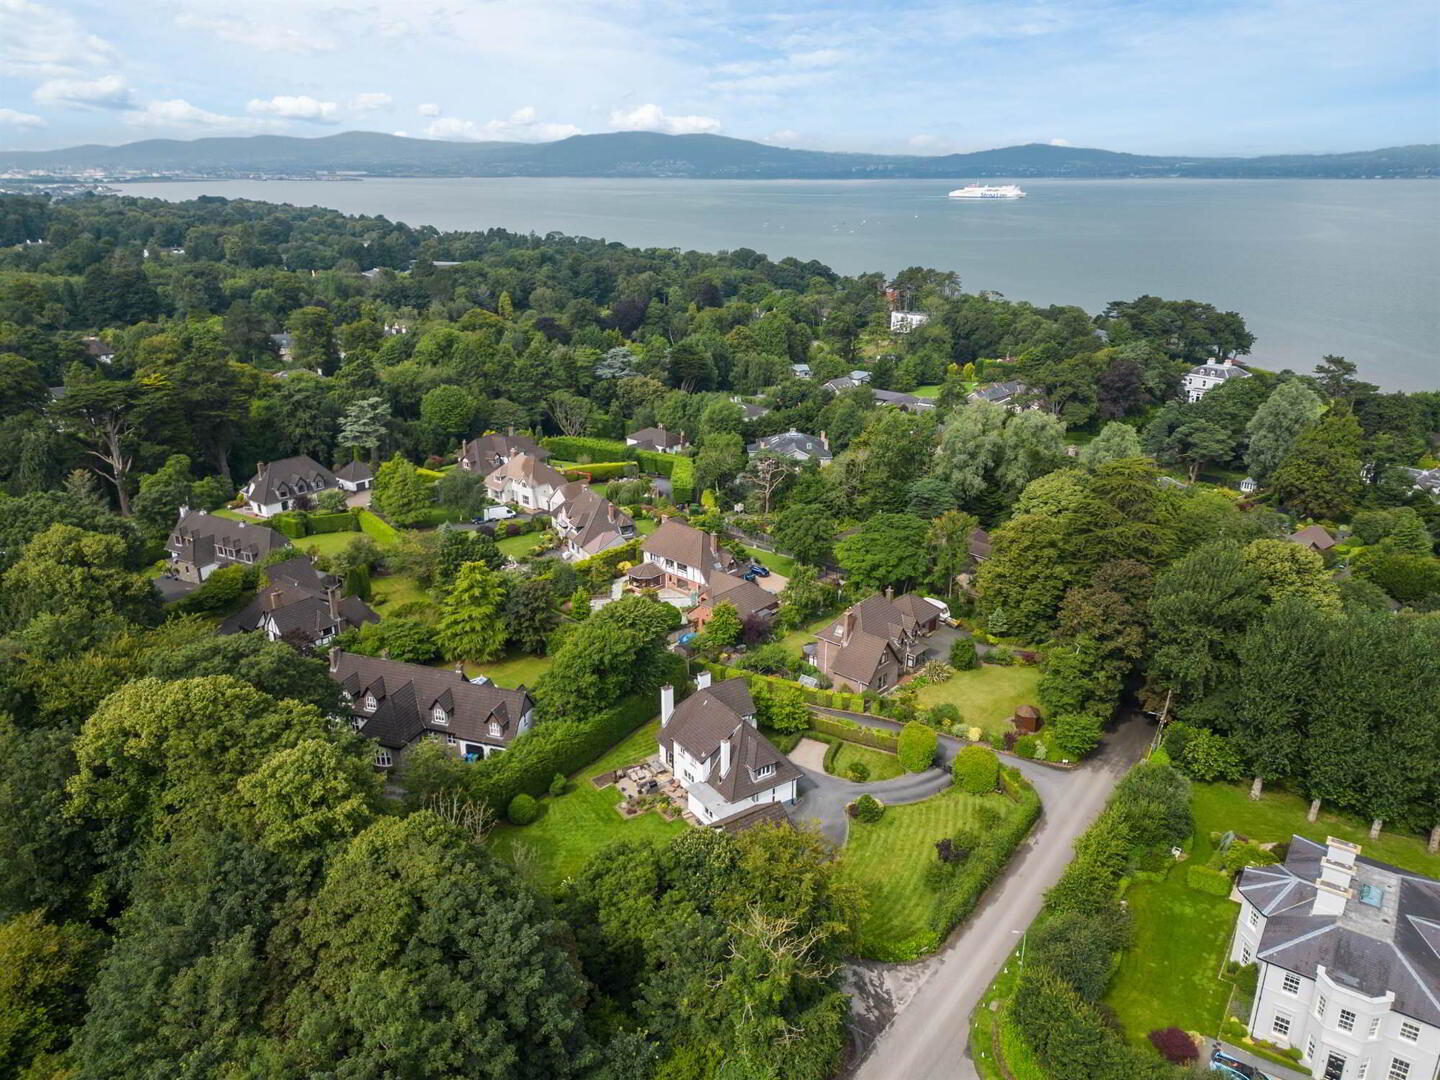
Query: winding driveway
{"type": "Point", "coordinates": [912, 1021]}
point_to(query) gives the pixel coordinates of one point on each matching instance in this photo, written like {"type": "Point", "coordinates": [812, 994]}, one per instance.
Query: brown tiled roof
{"type": "Point", "coordinates": [296, 598]}
{"type": "Point", "coordinates": [918, 608]}
{"type": "Point", "coordinates": [688, 545]}
{"type": "Point", "coordinates": [980, 544]}
{"type": "Point", "coordinates": [746, 596]}
{"type": "Point", "coordinates": [657, 437]}
{"type": "Point", "coordinates": [1316, 536]}
{"type": "Point", "coordinates": [407, 693]}
{"type": "Point", "coordinates": [354, 471]}
{"type": "Point", "coordinates": [707, 718]}
{"type": "Point", "coordinates": [488, 451]}
{"type": "Point", "coordinates": [531, 470]}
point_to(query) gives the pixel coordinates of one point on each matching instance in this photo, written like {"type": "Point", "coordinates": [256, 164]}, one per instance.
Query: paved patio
{"type": "Point", "coordinates": [809, 754]}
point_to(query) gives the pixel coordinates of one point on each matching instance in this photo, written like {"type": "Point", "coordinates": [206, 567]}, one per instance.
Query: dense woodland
{"type": "Point", "coordinates": [201, 875]}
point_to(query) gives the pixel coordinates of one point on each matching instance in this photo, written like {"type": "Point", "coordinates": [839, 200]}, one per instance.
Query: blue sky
{"type": "Point", "coordinates": [1147, 76]}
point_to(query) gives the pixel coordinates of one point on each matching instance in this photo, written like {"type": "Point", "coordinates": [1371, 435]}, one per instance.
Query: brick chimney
{"type": "Point", "coordinates": [824, 440]}
{"type": "Point", "coordinates": [275, 597]}
{"type": "Point", "coordinates": [889, 592]}
{"type": "Point", "coordinates": [847, 628]}
{"type": "Point", "coordinates": [332, 598]}
{"type": "Point", "coordinates": [460, 669]}
{"type": "Point", "coordinates": [667, 703]}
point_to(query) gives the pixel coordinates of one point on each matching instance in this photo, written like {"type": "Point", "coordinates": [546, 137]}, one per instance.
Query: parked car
{"type": "Point", "coordinates": [757, 570]}
{"type": "Point", "coordinates": [1231, 1068]}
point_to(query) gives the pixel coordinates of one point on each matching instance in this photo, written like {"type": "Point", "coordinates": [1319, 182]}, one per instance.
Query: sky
{"type": "Point", "coordinates": [1144, 76]}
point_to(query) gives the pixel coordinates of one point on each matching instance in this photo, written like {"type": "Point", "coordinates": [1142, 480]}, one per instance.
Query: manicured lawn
{"type": "Point", "coordinates": [888, 860]}
{"type": "Point", "coordinates": [574, 826]}
{"type": "Point", "coordinates": [1169, 975]}
{"type": "Point", "coordinates": [395, 590]}
{"type": "Point", "coordinates": [517, 547]}
{"type": "Point", "coordinates": [806, 634]}
{"type": "Point", "coordinates": [986, 696]}
{"type": "Point", "coordinates": [930, 390]}
{"type": "Point", "coordinates": [645, 526]}
{"type": "Point", "coordinates": [783, 565]}
{"type": "Point", "coordinates": [235, 515]}
{"type": "Point", "coordinates": [326, 543]}
{"type": "Point", "coordinates": [882, 765]}
{"type": "Point", "coordinates": [513, 670]}
{"type": "Point", "coordinates": [1278, 815]}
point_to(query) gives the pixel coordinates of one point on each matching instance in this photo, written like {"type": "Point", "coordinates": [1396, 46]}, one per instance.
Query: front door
{"type": "Point", "coordinates": [1335, 1068]}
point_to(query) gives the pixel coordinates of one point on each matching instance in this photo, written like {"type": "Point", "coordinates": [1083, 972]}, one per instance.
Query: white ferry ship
{"type": "Point", "coordinates": [984, 191]}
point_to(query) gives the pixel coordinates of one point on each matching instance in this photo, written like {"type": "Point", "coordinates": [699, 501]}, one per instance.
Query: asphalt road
{"type": "Point", "coordinates": [927, 1038]}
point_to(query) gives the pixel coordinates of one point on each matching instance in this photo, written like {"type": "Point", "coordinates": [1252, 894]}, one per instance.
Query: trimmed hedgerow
{"type": "Point", "coordinates": [916, 746]}
{"type": "Point", "coordinates": [976, 769]}
{"type": "Point", "coordinates": [1203, 879]}
{"type": "Point", "coordinates": [576, 448]}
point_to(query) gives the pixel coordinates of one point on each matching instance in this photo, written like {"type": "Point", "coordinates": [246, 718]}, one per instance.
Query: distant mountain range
{"type": "Point", "coordinates": [648, 154]}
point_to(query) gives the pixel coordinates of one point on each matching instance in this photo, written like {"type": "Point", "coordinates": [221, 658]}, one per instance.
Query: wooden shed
{"type": "Point", "coordinates": [1026, 719]}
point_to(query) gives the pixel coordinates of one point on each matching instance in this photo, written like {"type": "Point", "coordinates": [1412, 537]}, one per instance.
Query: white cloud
{"type": "Point", "coordinates": [521, 126]}
{"type": "Point", "coordinates": [106, 92]}
{"type": "Point", "coordinates": [179, 113]}
{"type": "Point", "coordinates": [401, 134]}
{"type": "Point", "coordinates": [654, 118]}
{"type": "Point", "coordinates": [367, 102]}
{"type": "Point", "coordinates": [925, 142]}
{"type": "Point", "coordinates": [11, 118]}
{"type": "Point", "coordinates": [1061, 142]}
{"type": "Point", "coordinates": [429, 109]}
{"type": "Point", "coordinates": [40, 41]}
{"type": "Point", "coordinates": [295, 108]}
{"type": "Point", "coordinates": [815, 58]}
{"type": "Point", "coordinates": [272, 36]}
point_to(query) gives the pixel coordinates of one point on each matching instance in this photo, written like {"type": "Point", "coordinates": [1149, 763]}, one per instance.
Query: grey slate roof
{"type": "Point", "coordinates": [198, 537]}
{"type": "Point", "coordinates": [1395, 947]}
{"type": "Point", "coordinates": [286, 478]}
{"type": "Point", "coordinates": [767, 813]}
{"type": "Point", "coordinates": [657, 438]}
{"type": "Point", "coordinates": [354, 471]}
{"type": "Point", "coordinates": [407, 693]}
{"type": "Point", "coordinates": [902, 401]}
{"type": "Point", "coordinates": [1000, 392]}
{"type": "Point", "coordinates": [1220, 371]}
{"type": "Point", "coordinates": [296, 597]}
{"type": "Point", "coordinates": [791, 444]}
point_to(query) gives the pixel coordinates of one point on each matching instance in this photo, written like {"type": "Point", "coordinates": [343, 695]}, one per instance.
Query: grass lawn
{"type": "Point", "coordinates": [882, 765]}
{"type": "Point", "coordinates": [1168, 976]}
{"type": "Point", "coordinates": [930, 390]}
{"type": "Point", "coordinates": [645, 526]}
{"type": "Point", "coordinates": [394, 590]}
{"type": "Point", "coordinates": [986, 696]}
{"type": "Point", "coordinates": [574, 826]}
{"type": "Point", "coordinates": [803, 636]}
{"type": "Point", "coordinates": [888, 860]}
{"type": "Point", "coordinates": [326, 543]}
{"type": "Point", "coordinates": [518, 546]}
{"type": "Point", "coordinates": [512, 670]}
{"type": "Point", "coordinates": [235, 515]}
{"type": "Point", "coordinates": [781, 564]}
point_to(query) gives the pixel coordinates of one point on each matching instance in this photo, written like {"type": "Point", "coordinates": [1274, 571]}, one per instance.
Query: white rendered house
{"type": "Point", "coordinates": [1348, 952]}
{"type": "Point", "coordinates": [1200, 380]}
{"type": "Point", "coordinates": [711, 744]}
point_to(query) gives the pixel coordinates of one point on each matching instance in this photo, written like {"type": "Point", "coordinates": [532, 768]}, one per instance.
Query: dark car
{"type": "Point", "coordinates": [1232, 1069]}
{"type": "Point", "coordinates": [758, 571]}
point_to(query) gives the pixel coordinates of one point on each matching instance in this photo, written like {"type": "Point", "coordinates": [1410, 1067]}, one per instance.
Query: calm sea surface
{"type": "Point", "coordinates": [1315, 266]}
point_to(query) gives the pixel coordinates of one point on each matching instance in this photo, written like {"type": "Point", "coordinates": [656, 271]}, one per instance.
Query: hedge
{"type": "Point", "coordinates": [340, 521]}
{"type": "Point", "coordinates": [577, 448]}
{"type": "Point", "coordinates": [877, 738]}
{"type": "Point", "coordinates": [1206, 880]}
{"type": "Point", "coordinates": [382, 532]}
{"type": "Point", "coordinates": [599, 570]}
{"type": "Point", "coordinates": [289, 522]}
{"type": "Point", "coordinates": [989, 859]}
{"type": "Point", "coordinates": [677, 468]}
{"type": "Point", "coordinates": [564, 746]}
{"type": "Point", "coordinates": [601, 470]}
{"type": "Point", "coordinates": [428, 474]}
{"type": "Point", "coordinates": [830, 699]}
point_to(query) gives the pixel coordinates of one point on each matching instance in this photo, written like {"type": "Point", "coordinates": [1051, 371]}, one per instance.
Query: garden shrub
{"type": "Point", "coordinates": [867, 808]}
{"type": "Point", "coordinates": [344, 521]}
{"type": "Point", "coordinates": [976, 770]}
{"type": "Point", "coordinates": [1075, 734]}
{"type": "Point", "coordinates": [1080, 947]}
{"type": "Point", "coordinates": [1000, 656]}
{"type": "Point", "coordinates": [357, 582]}
{"type": "Point", "coordinates": [975, 734]}
{"type": "Point", "coordinates": [859, 772]}
{"type": "Point", "coordinates": [962, 655]}
{"type": "Point", "coordinates": [944, 715]}
{"type": "Point", "coordinates": [557, 784]}
{"type": "Point", "coordinates": [382, 532]}
{"type": "Point", "coordinates": [224, 590]}
{"type": "Point", "coordinates": [1174, 1045]}
{"type": "Point", "coordinates": [877, 738]}
{"type": "Point", "coordinates": [291, 523]}
{"type": "Point", "coordinates": [916, 747]}
{"type": "Point", "coordinates": [599, 471]}
{"type": "Point", "coordinates": [523, 809]}
{"type": "Point", "coordinates": [1205, 880]}
{"type": "Point", "coordinates": [937, 671]}
{"type": "Point", "coordinates": [1241, 854]}
{"type": "Point", "coordinates": [1026, 746]}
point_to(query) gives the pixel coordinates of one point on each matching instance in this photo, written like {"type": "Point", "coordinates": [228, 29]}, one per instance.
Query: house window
{"type": "Point", "coordinates": [1399, 1069]}
{"type": "Point", "coordinates": [1320, 1006]}
{"type": "Point", "coordinates": [1409, 1032]}
{"type": "Point", "coordinates": [1291, 983]}
{"type": "Point", "coordinates": [1364, 1068]}
{"type": "Point", "coordinates": [439, 715]}
{"type": "Point", "coordinates": [382, 757]}
{"type": "Point", "coordinates": [1254, 916]}
{"type": "Point", "coordinates": [765, 770]}
{"type": "Point", "coordinates": [1245, 954]}
{"type": "Point", "coordinates": [449, 739]}
{"type": "Point", "coordinates": [1347, 1020]}
{"type": "Point", "coordinates": [494, 728]}
{"type": "Point", "coordinates": [370, 703]}
{"type": "Point", "coordinates": [1310, 1048]}
{"type": "Point", "coordinates": [1374, 1026]}
{"type": "Point", "coordinates": [1280, 1025]}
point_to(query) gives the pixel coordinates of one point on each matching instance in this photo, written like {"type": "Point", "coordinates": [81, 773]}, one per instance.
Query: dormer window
{"type": "Point", "coordinates": [370, 703]}
{"type": "Point", "coordinates": [439, 715]}
{"type": "Point", "coordinates": [764, 770]}
{"type": "Point", "coordinates": [495, 728]}
{"type": "Point", "coordinates": [382, 758]}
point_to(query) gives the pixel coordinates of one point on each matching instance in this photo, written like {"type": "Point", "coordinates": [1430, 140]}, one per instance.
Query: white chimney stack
{"type": "Point", "coordinates": [724, 758]}
{"type": "Point", "coordinates": [667, 703]}
{"type": "Point", "coordinates": [702, 680]}
{"type": "Point", "coordinates": [334, 659]}
{"type": "Point", "coordinates": [1330, 899]}
{"type": "Point", "coordinates": [1337, 867]}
